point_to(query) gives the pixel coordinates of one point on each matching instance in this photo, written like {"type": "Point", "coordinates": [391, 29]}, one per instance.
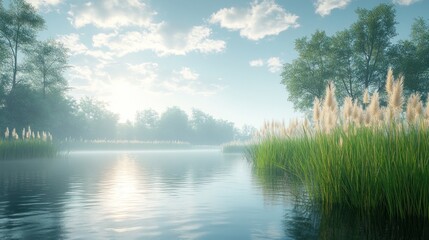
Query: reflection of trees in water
{"type": "Point", "coordinates": [310, 222]}
{"type": "Point", "coordinates": [305, 220]}
{"type": "Point", "coordinates": [32, 198]}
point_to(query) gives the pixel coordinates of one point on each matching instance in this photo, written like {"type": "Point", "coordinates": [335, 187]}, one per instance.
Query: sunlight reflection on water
{"type": "Point", "coordinates": [136, 195]}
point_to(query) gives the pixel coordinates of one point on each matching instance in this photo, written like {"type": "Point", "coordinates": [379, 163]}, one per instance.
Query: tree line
{"type": "Point", "coordinates": [358, 58]}
{"type": "Point", "coordinates": [33, 92]}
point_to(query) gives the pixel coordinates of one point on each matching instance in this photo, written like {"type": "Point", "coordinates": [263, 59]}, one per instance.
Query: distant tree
{"type": "Point", "coordinates": [97, 121]}
{"type": "Point", "coordinates": [372, 34]}
{"type": "Point", "coordinates": [247, 132]}
{"type": "Point", "coordinates": [411, 58]}
{"type": "Point", "coordinates": [146, 124]}
{"type": "Point", "coordinates": [24, 107]}
{"type": "Point", "coordinates": [173, 125]}
{"type": "Point", "coordinates": [208, 130]}
{"type": "Point", "coordinates": [355, 59]}
{"type": "Point", "coordinates": [45, 65]}
{"type": "Point", "coordinates": [306, 77]}
{"type": "Point", "coordinates": [343, 64]}
{"type": "Point", "coordinates": [18, 27]}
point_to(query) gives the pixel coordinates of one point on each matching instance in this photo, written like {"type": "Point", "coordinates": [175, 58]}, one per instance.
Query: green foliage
{"type": "Point", "coordinates": [97, 122]}
{"type": "Point", "coordinates": [411, 57]}
{"type": "Point", "coordinates": [18, 27]}
{"type": "Point", "coordinates": [20, 149]}
{"type": "Point", "coordinates": [45, 64]}
{"type": "Point", "coordinates": [175, 125]}
{"type": "Point", "coordinates": [299, 76]}
{"type": "Point", "coordinates": [384, 169]}
{"type": "Point", "coordinates": [355, 59]}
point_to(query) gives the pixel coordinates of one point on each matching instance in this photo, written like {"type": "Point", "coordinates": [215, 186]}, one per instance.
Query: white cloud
{"type": "Point", "coordinates": [111, 14]}
{"type": "Point", "coordinates": [146, 72]}
{"type": "Point", "coordinates": [405, 2]}
{"type": "Point", "coordinates": [76, 47]}
{"type": "Point", "coordinates": [263, 18]}
{"type": "Point", "coordinates": [43, 3]}
{"type": "Point", "coordinates": [160, 41]}
{"type": "Point", "coordinates": [186, 81]}
{"type": "Point", "coordinates": [274, 64]}
{"type": "Point", "coordinates": [256, 63]}
{"type": "Point", "coordinates": [324, 7]}
{"type": "Point", "coordinates": [72, 42]}
{"type": "Point", "coordinates": [187, 74]}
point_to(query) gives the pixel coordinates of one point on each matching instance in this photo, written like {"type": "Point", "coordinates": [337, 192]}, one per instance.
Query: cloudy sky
{"type": "Point", "coordinates": [221, 56]}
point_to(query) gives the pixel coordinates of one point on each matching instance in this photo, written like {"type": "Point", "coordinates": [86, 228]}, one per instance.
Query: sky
{"type": "Point", "coordinates": [223, 57]}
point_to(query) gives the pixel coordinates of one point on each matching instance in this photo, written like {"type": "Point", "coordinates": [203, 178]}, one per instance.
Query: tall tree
{"type": "Point", "coordinates": [343, 65]}
{"type": "Point", "coordinates": [18, 27]}
{"type": "Point", "coordinates": [355, 59]}
{"type": "Point", "coordinates": [173, 125]}
{"type": "Point", "coordinates": [411, 58]}
{"type": "Point", "coordinates": [146, 124]}
{"type": "Point", "coordinates": [306, 77]}
{"type": "Point", "coordinates": [372, 34]}
{"type": "Point", "coordinates": [46, 63]}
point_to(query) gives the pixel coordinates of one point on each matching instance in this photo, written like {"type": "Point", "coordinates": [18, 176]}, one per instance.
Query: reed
{"type": "Point", "coordinates": [372, 159]}
{"type": "Point", "coordinates": [30, 145]}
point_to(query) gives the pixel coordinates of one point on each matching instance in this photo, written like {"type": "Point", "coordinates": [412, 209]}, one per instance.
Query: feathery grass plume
{"type": "Point", "coordinates": [316, 110]}
{"type": "Point", "coordinates": [418, 106]}
{"type": "Point", "coordinates": [374, 108]}
{"type": "Point", "coordinates": [365, 96]}
{"type": "Point", "coordinates": [329, 110]}
{"type": "Point", "coordinates": [410, 114]}
{"type": "Point", "coordinates": [330, 102]}
{"type": "Point", "coordinates": [358, 116]}
{"type": "Point", "coordinates": [366, 118]}
{"type": "Point", "coordinates": [426, 114]}
{"type": "Point", "coordinates": [6, 133]}
{"type": "Point", "coordinates": [367, 165]}
{"type": "Point", "coordinates": [347, 108]}
{"type": "Point", "coordinates": [389, 81]}
{"type": "Point", "coordinates": [396, 98]}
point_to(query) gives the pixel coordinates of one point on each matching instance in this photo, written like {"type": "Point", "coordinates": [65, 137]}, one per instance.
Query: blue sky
{"type": "Point", "coordinates": [223, 57]}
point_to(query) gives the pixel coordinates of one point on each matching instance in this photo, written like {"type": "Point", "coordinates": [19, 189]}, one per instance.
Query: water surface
{"type": "Point", "coordinates": [185, 194]}
{"type": "Point", "coordinates": [177, 194]}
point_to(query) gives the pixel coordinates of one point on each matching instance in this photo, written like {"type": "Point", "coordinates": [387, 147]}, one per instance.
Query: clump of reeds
{"type": "Point", "coordinates": [31, 144]}
{"type": "Point", "coordinates": [367, 156]}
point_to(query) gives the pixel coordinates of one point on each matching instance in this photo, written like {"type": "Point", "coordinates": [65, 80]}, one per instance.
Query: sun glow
{"type": "Point", "coordinates": [121, 191]}
{"type": "Point", "coordinates": [125, 100]}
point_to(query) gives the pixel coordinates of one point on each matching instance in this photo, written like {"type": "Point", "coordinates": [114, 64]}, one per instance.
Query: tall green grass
{"type": "Point", "coordinates": [29, 145]}
{"type": "Point", "coordinates": [374, 160]}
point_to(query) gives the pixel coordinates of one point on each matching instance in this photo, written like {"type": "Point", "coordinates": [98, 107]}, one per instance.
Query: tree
{"type": "Point", "coordinates": [46, 63]}
{"type": "Point", "coordinates": [208, 130]}
{"type": "Point", "coordinates": [372, 35]}
{"type": "Point", "coordinates": [146, 124]}
{"type": "Point", "coordinates": [355, 59]}
{"type": "Point", "coordinates": [97, 121]}
{"type": "Point", "coordinates": [18, 27]}
{"type": "Point", "coordinates": [343, 64]}
{"type": "Point", "coordinates": [173, 125]}
{"type": "Point", "coordinates": [306, 77]}
{"type": "Point", "coordinates": [411, 58]}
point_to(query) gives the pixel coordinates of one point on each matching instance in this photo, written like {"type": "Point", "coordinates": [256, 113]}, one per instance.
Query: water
{"type": "Point", "coordinates": [136, 195]}
{"type": "Point", "coordinates": [185, 194]}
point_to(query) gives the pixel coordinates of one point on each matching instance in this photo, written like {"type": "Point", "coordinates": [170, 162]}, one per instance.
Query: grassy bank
{"type": "Point", "coordinates": [103, 145]}
{"type": "Point", "coordinates": [368, 158]}
{"type": "Point", "coordinates": [29, 145]}
{"type": "Point", "coordinates": [236, 147]}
